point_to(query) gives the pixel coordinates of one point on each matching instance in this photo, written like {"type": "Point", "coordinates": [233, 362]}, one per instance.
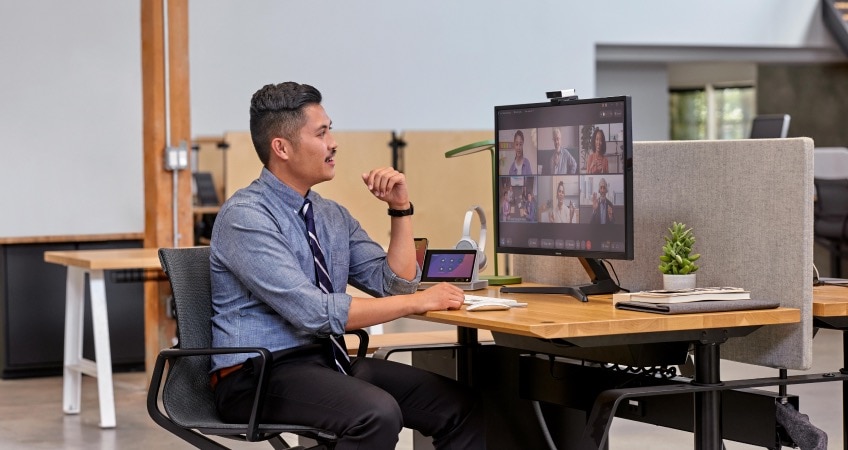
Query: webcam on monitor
{"type": "Point", "coordinates": [563, 94]}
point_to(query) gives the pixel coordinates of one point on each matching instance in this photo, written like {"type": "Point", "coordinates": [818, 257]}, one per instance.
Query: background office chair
{"type": "Point", "coordinates": [189, 403]}
{"type": "Point", "coordinates": [830, 226]}
{"type": "Point", "coordinates": [206, 196]}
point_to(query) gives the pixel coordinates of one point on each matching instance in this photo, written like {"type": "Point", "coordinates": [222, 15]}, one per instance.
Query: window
{"type": "Point", "coordinates": [712, 112]}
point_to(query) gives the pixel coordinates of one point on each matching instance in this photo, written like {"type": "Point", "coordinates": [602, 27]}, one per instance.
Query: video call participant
{"type": "Point", "coordinates": [562, 213]}
{"type": "Point", "coordinates": [596, 161]}
{"type": "Point", "coordinates": [270, 289]}
{"type": "Point", "coordinates": [520, 165]}
{"type": "Point", "coordinates": [602, 208]}
{"type": "Point", "coordinates": [562, 163]}
{"type": "Point", "coordinates": [529, 210]}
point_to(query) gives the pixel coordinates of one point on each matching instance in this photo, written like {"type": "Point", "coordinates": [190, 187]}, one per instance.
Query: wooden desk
{"type": "Point", "coordinates": [93, 263]}
{"type": "Point", "coordinates": [598, 323]}
{"type": "Point", "coordinates": [556, 316]}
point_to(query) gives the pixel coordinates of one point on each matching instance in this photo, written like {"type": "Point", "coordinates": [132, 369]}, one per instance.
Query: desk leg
{"type": "Point", "coordinates": [467, 340]}
{"type": "Point", "coordinates": [74, 308]}
{"type": "Point", "coordinates": [707, 424]}
{"type": "Point", "coordinates": [102, 349]}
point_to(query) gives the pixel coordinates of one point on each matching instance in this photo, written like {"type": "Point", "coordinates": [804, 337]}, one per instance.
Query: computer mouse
{"type": "Point", "coordinates": [487, 306]}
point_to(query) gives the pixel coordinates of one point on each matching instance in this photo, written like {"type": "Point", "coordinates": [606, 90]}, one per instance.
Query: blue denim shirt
{"type": "Point", "coordinates": [263, 277]}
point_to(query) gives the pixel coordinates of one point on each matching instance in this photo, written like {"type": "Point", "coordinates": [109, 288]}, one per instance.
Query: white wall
{"type": "Point", "coordinates": [443, 64]}
{"type": "Point", "coordinates": [70, 118]}
{"type": "Point", "coordinates": [70, 88]}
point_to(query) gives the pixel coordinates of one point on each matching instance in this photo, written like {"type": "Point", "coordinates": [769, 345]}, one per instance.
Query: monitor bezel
{"type": "Point", "coordinates": [627, 253]}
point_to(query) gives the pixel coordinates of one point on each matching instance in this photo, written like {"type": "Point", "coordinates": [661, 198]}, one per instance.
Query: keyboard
{"type": "Point", "coordinates": [471, 299]}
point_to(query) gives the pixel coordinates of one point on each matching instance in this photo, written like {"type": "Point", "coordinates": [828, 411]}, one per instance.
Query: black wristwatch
{"type": "Point", "coordinates": [401, 212]}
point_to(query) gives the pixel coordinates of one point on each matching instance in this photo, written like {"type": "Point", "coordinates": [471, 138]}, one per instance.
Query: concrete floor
{"type": "Point", "coordinates": [31, 411]}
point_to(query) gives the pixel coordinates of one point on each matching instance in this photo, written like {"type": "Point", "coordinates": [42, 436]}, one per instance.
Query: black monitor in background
{"type": "Point", "coordinates": [206, 194]}
{"type": "Point", "coordinates": [565, 184]}
{"type": "Point", "coordinates": [770, 126]}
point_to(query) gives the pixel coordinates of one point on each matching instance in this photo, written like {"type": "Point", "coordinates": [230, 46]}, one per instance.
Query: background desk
{"type": "Point", "coordinates": [93, 263]}
{"type": "Point", "coordinates": [830, 310]}
{"type": "Point", "coordinates": [598, 324]}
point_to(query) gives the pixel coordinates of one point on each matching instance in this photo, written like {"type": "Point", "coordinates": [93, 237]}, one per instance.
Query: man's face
{"type": "Point", "coordinates": [518, 144]}
{"type": "Point", "coordinates": [313, 157]}
{"type": "Point", "coordinates": [557, 141]}
{"type": "Point", "coordinates": [602, 189]}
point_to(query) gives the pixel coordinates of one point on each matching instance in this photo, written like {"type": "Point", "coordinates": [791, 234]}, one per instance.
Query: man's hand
{"type": "Point", "coordinates": [438, 298]}
{"type": "Point", "coordinates": [388, 185]}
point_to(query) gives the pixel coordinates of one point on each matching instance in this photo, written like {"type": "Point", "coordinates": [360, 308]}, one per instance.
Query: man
{"type": "Point", "coordinates": [602, 209]}
{"type": "Point", "coordinates": [562, 163]}
{"type": "Point", "coordinates": [281, 258]}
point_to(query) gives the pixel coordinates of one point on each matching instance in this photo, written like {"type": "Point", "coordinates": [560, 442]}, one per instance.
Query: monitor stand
{"type": "Point", "coordinates": [602, 283]}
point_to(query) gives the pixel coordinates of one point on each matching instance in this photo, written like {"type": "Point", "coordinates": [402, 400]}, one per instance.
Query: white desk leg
{"type": "Point", "coordinates": [102, 349]}
{"type": "Point", "coordinates": [74, 305]}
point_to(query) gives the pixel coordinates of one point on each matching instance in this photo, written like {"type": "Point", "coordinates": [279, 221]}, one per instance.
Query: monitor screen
{"type": "Point", "coordinates": [770, 126]}
{"type": "Point", "coordinates": [565, 179]}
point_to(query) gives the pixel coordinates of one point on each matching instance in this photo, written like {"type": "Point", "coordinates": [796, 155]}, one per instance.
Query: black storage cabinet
{"type": "Point", "coordinates": [32, 312]}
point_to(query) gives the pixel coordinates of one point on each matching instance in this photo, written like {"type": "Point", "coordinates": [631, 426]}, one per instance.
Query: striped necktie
{"type": "Point", "coordinates": [322, 279]}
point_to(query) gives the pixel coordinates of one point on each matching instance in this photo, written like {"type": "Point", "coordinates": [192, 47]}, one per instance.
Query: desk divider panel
{"type": "Point", "coordinates": [750, 203]}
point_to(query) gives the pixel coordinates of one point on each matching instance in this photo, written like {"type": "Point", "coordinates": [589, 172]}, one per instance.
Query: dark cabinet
{"type": "Point", "coordinates": [32, 312]}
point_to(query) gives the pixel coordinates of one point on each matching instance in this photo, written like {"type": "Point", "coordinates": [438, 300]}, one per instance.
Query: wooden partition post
{"type": "Point", "coordinates": [166, 123]}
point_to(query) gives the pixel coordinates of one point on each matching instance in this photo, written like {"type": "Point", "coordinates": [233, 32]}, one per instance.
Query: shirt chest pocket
{"type": "Point", "coordinates": [339, 265]}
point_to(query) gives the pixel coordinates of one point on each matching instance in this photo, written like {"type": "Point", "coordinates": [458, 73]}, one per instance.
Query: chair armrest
{"type": "Point", "coordinates": [362, 349]}
{"type": "Point", "coordinates": [265, 359]}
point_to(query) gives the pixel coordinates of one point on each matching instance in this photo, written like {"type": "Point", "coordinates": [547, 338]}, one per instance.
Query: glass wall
{"type": "Point", "coordinates": [712, 112]}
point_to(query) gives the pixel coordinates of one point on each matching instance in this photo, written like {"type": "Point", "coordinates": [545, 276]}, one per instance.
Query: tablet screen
{"type": "Point", "coordinates": [453, 266]}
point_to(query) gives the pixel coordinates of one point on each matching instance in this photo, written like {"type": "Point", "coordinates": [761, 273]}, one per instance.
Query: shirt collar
{"type": "Point", "coordinates": [289, 196]}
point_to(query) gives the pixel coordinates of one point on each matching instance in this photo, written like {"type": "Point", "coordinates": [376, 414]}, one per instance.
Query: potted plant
{"type": "Point", "coordinates": [677, 263]}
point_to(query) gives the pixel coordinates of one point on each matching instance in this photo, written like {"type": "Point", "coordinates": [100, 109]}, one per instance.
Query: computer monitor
{"type": "Point", "coordinates": [565, 184]}
{"type": "Point", "coordinates": [769, 126]}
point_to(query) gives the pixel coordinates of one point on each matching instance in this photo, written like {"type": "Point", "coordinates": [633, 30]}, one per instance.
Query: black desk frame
{"type": "Point", "coordinates": [839, 323]}
{"type": "Point", "coordinates": [706, 385]}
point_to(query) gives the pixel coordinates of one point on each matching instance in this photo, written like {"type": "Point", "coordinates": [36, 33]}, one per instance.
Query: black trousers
{"type": "Point", "coordinates": [366, 409]}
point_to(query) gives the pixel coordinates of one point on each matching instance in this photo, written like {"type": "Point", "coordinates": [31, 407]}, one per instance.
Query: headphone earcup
{"type": "Point", "coordinates": [466, 244]}
{"type": "Point", "coordinates": [469, 244]}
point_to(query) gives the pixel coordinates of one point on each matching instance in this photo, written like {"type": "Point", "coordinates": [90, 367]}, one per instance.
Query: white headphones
{"type": "Point", "coordinates": [466, 243]}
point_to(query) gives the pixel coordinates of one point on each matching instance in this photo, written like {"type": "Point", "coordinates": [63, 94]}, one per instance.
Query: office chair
{"type": "Point", "coordinates": [830, 219]}
{"type": "Point", "coordinates": [206, 196]}
{"type": "Point", "coordinates": [189, 403]}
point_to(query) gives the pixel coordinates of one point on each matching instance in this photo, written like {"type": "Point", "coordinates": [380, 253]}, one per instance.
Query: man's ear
{"type": "Point", "coordinates": [281, 148]}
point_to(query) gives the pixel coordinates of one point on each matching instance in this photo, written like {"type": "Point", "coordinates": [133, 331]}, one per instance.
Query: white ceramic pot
{"type": "Point", "coordinates": [678, 282]}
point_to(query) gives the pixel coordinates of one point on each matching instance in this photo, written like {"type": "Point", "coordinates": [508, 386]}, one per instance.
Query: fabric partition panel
{"type": "Point", "coordinates": [750, 203]}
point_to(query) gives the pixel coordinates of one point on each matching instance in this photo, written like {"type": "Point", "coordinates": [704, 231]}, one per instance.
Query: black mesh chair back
{"type": "Point", "coordinates": [188, 401]}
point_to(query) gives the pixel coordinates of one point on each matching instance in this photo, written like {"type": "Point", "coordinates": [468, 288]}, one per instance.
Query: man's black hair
{"type": "Point", "coordinates": [277, 110]}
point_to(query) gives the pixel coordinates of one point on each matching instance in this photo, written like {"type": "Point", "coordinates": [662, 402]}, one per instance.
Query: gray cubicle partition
{"type": "Point", "coordinates": [750, 203]}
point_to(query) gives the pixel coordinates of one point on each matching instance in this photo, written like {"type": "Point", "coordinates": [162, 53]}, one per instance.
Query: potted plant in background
{"type": "Point", "coordinates": [677, 261]}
